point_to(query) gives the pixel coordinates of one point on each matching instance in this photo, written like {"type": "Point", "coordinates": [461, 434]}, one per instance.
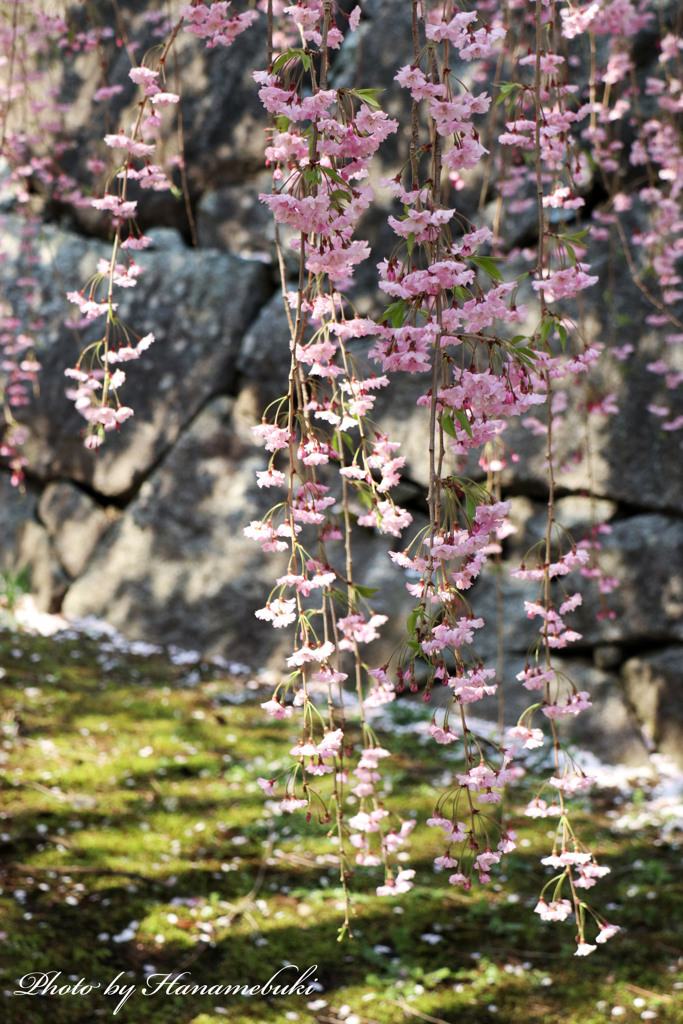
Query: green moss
{"type": "Point", "coordinates": [103, 831]}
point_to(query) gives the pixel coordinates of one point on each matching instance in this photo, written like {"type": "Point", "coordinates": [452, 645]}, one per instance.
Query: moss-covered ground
{"type": "Point", "coordinates": [133, 836]}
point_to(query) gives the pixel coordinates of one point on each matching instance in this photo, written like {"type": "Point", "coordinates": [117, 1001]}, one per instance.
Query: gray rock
{"type": "Point", "coordinates": [632, 460]}
{"type": "Point", "coordinates": [645, 552]}
{"type": "Point", "coordinates": [654, 685]}
{"type": "Point", "coordinates": [198, 308]}
{"type": "Point", "coordinates": [165, 239]}
{"type": "Point", "coordinates": [397, 414]}
{"type": "Point", "coordinates": [176, 568]}
{"type": "Point", "coordinates": [518, 632]}
{"type": "Point", "coordinates": [609, 729]}
{"type": "Point", "coordinates": [639, 463]}
{"type": "Point", "coordinates": [18, 509]}
{"type": "Point", "coordinates": [265, 357]}
{"type": "Point", "coordinates": [75, 523]}
{"type": "Point", "coordinates": [372, 567]}
{"type": "Point", "coordinates": [222, 117]}
{"type": "Point", "coordinates": [25, 544]}
{"type": "Point", "coordinates": [641, 469]}
{"type": "Point", "coordinates": [234, 219]}
{"type": "Point", "coordinates": [49, 582]}
{"type": "Point", "coordinates": [608, 656]}
{"type": "Point", "coordinates": [574, 513]}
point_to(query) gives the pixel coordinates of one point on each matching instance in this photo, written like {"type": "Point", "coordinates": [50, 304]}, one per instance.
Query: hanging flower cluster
{"type": "Point", "coordinates": [453, 318]}
{"type": "Point", "coordinates": [33, 143]}
{"type": "Point", "coordinates": [492, 96]}
{"type": "Point", "coordinates": [98, 372]}
{"type": "Point", "coordinates": [321, 146]}
{"type": "Point", "coordinates": [543, 117]}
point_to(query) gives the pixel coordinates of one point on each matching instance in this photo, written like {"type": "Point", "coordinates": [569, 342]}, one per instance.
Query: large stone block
{"type": "Point", "coordinates": [233, 218]}
{"type": "Point", "coordinates": [18, 509]}
{"type": "Point", "coordinates": [265, 357]}
{"type": "Point", "coordinates": [609, 729]}
{"type": "Point", "coordinates": [223, 121]}
{"type": "Point", "coordinates": [75, 523]}
{"type": "Point", "coordinates": [645, 553]}
{"type": "Point", "coordinates": [176, 568]}
{"type": "Point", "coordinates": [197, 306]}
{"type": "Point", "coordinates": [654, 685]}
{"type": "Point", "coordinates": [25, 544]}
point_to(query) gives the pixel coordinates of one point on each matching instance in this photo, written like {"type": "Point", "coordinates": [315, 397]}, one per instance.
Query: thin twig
{"type": "Point", "coordinates": [183, 169]}
{"type": "Point", "coordinates": [407, 1008]}
{"type": "Point", "coordinates": [648, 992]}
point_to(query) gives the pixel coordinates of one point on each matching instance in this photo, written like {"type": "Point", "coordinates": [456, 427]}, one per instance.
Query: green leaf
{"type": "Point", "coordinates": [563, 335]}
{"type": "Point", "coordinates": [471, 507]}
{"type": "Point", "coordinates": [524, 350]}
{"type": "Point", "coordinates": [282, 123]}
{"type": "Point", "coordinates": [367, 92]}
{"type": "Point", "coordinates": [414, 645]}
{"type": "Point", "coordinates": [411, 621]}
{"type": "Point", "coordinates": [282, 60]}
{"type": "Point", "coordinates": [288, 55]}
{"type": "Point", "coordinates": [506, 89]}
{"type": "Point", "coordinates": [488, 265]}
{"type": "Point", "coordinates": [447, 424]}
{"type": "Point", "coordinates": [527, 362]}
{"type": "Point", "coordinates": [545, 329]}
{"type": "Point", "coordinates": [348, 441]}
{"type": "Point", "coordinates": [335, 443]}
{"type": "Point", "coordinates": [575, 237]}
{"type": "Point", "coordinates": [365, 591]}
{"type": "Point", "coordinates": [411, 242]}
{"type": "Point", "coordinates": [570, 253]}
{"type": "Point", "coordinates": [462, 293]}
{"type": "Point", "coordinates": [463, 420]}
{"type": "Point", "coordinates": [368, 97]}
{"type": "Point", "coordinates": [397, 315]}
{"type": "Point", "coordinates": [390, 310]}
{"type": "Point", "coordinates": [331, 173]}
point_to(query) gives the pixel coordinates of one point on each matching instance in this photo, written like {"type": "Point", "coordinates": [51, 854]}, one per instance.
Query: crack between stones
{"type": "Point", "coordinates": [631, 648]}
{"type": "Point", "coordinates": [625, 510]}
{"type": "Point", "coordinates": [122, 500]}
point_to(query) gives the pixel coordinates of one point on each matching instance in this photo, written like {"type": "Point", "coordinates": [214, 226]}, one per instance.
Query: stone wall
{"type": "Point", "coordinates": [148, 533]}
